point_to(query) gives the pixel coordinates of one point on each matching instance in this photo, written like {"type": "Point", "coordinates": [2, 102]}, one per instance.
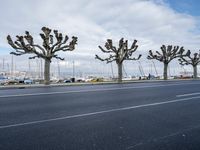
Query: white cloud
{"type": "Point", "coordinates": [151, 22]}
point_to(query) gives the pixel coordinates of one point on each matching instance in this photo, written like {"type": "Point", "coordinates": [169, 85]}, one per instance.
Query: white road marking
{"type": "Point", "coordinates": [189, 94]}
{"type": "Point", "coordinates": [97, 112]}
{"type": "Point", "coordinates": [166, 136]}
{"type": "Point", "coordinates": [91, 90]}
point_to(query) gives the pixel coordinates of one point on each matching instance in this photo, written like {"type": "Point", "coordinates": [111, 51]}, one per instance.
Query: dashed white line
{"type": "Point", "coordinates": [97, 112]}
{"type": "Point", "coordinates": [188, 94]}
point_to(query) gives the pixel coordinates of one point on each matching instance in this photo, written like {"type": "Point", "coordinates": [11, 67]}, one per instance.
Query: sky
{"type": "Point", "coordinates": [185, 6]}
{"type": "Point", "coordinates": [151, 22]}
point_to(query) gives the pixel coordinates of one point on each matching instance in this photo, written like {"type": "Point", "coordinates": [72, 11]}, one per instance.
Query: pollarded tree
{"type": "Point", "coordinates": [166, 55]}
{"type": "Point", "coordinates": [52, 43]}
{"type": "Point", "coordinates": [119, 54]}
{"type": "Point", "coordinates": [187, 59]}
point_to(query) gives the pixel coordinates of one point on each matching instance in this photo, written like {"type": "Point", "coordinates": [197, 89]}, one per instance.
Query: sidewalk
{"type": "Point", "coordinates": [23, 86]}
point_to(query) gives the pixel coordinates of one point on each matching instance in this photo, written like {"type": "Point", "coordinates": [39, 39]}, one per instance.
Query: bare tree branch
{"type": "Point", "coordinates": [25, 44]}
{"type": "Point", "coordinates": [168, 53]}
{"type": "Point", "coordinates": [34, 57]}
{"type": "Point", "coordinates": [57, 57]}
{"type": "Point", "coordinates": [51, 43]}
{"type": "Point", "coordinates": [108, 60]}
{"type": "Point", "coordinates": [187, 59]}
{"type": "Point", "coordinates": [119, 54]}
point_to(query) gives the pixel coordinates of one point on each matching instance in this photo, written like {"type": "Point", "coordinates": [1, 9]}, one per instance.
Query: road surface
{"type": "Point", "coordinates": [137, 116]}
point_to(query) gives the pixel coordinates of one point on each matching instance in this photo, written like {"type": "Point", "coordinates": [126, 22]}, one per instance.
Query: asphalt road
{"type": "Point", "coordinates": [137, 116]}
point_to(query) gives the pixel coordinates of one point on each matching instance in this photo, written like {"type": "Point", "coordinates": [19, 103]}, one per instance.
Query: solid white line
{"type": "Point", "coordinates": [189, 94]}
{"type": "Point", "coordinates": [96, 113]}
{"type": "Point", "coordinates": [91, 90]}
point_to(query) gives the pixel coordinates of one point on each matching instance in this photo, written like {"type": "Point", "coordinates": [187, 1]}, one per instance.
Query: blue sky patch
{"type": "Point", "coordinates": [190, 7]}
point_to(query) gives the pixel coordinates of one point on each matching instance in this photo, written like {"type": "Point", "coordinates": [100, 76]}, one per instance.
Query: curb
{"type": "Point", "coordinates": [5, 87]}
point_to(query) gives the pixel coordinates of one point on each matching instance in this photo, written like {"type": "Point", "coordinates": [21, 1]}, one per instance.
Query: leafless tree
{"type": "Point", "coordinates": [119, 54]}
{"type": "Point", "coordinates": [167, 54]}
{"type": "Point", "coordinates": [187, 59]}
{"type": "Point", "coordinates": [52, 43]}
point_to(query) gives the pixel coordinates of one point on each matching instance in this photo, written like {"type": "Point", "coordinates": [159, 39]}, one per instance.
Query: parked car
{"type": "Point", "coordinates": [67, 81]}
{"type": "Point", "coordinates": [11, 82]}
{"type": "Point", "coordinates": [3, 81]}
{"type": "Point", "coordinates": [21, 81]}
{"type": "Point", "coordinates": [80, 80]}
{"type": "Point", "coordinates": [28, 81]}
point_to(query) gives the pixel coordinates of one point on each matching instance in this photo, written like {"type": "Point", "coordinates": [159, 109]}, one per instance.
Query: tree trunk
{"type": "Point", "coordinates": [119, 72]}
{"type": "Point", "coordinates": [165, 71]}
{"type": "Point", "coordinates": [195, 72]}
{"type": "Point", "coordinates": [47, 72]}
